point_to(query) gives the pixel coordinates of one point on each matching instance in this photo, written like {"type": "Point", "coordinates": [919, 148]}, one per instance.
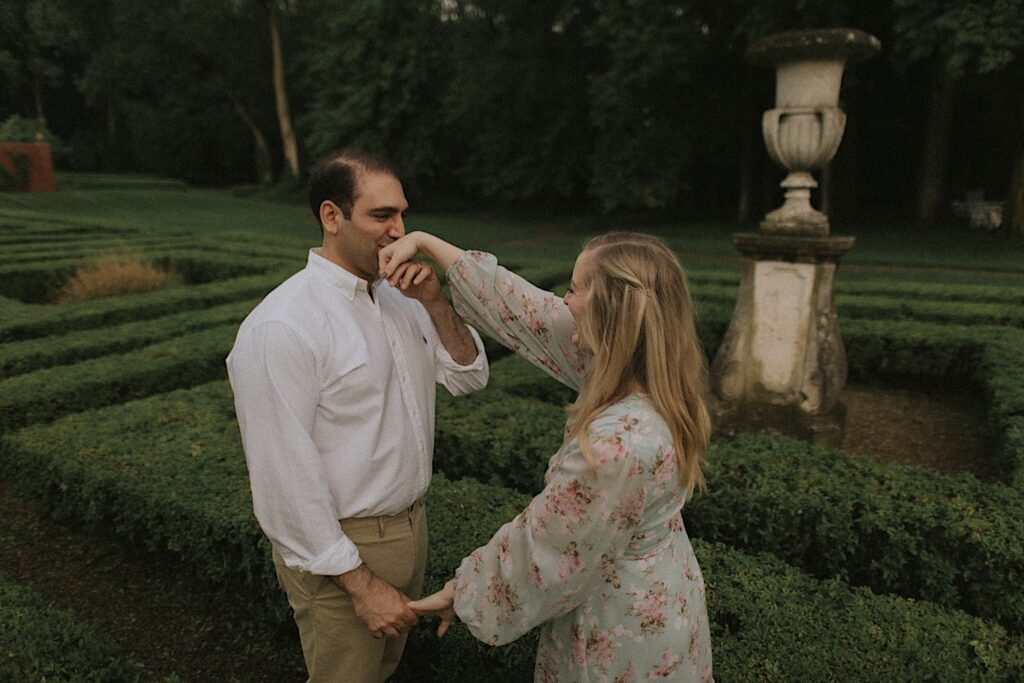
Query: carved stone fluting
{"type": "Point", "coordinates": [803, 131]}
{"type": "Point", "coordinates": [782, 366]}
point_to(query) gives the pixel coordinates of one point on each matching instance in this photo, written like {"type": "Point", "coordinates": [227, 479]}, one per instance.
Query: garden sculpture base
{"type": "Point", "coordinates": [782, 366]}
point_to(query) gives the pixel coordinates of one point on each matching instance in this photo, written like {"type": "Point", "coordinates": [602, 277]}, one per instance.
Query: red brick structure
{"type": "Point", "coordinates": [17, 157]}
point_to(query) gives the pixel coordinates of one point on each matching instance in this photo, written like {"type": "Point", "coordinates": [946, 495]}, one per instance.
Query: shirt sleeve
{"type": "Point", "coordinates": [273, 376]}
{"type": "Point", "coordinates": [528, 320]}
{"type": "Point", "coordinates": [457, 379]}
{"type": "Point", "coordinates": [561, 549]}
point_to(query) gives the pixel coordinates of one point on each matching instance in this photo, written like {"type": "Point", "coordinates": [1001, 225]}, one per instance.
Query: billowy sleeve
{"type": "Point", "coordinates": [534, 323]}
{"type": "Point", "coordinates": [273, 376]}
{"type": "Point", "coordinates": [561, 548]}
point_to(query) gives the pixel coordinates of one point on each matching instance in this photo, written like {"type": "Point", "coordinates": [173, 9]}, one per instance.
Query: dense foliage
{"type": "Point", "coordinates": [819, 565]}
{"type": "Point", "coordinates": [640, 105]}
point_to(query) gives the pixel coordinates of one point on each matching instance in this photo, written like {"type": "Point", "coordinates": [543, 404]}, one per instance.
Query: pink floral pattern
{"type": "Point", "coordinates": [600, 559]}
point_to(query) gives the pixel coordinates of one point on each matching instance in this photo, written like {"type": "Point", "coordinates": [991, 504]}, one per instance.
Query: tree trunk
{"type": "Point", "coordinates": [291, 150]}
{"type": "Point", "coordinates": [935, 158]}
{"type": "Point", "coordinates": [263, 169]}
{"type": "Point", "coordinates": [1015, 202]}
{"type": "Point", "coordinates": [37, 94]}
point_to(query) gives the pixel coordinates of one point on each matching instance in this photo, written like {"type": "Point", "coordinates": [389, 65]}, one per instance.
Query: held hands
{"type": "Point", "coordinates": [415, 280]}
{"type": "Point", "coordinates": [398, 252]}
{"type": "Point", "coordinates": [440, 604]}
{"type": "Point", "coordinates": [379, 604]}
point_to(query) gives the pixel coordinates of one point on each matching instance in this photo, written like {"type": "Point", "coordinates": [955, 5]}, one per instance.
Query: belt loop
{"type": "Point", "coordinates": [380, 525]}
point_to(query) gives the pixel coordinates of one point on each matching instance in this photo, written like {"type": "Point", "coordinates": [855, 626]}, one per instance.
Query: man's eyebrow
{"type": "Point", "coordinates": [386, 209]}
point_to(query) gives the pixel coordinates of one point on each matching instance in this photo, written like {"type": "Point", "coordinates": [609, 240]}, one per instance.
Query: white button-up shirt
{"type": "Point", "coordinates": [334, 393]}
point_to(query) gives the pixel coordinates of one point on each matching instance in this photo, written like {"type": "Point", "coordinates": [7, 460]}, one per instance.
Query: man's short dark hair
{"type": "Point", "coordinates": [335, 178]}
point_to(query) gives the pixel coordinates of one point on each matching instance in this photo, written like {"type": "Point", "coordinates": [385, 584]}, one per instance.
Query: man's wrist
{"type": "Point", "coordinates": [356, 581]}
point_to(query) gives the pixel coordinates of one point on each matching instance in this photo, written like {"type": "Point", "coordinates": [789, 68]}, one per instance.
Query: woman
{"type": "Point", "coordinates": [600, 557]}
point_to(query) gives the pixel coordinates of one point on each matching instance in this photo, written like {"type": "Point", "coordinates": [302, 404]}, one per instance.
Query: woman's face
{"type": "Point", "coordinates": [576, 297]}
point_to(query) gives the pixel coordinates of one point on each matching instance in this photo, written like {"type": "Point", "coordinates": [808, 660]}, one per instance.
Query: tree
{"type": "Point", "coordinates": [39, 39]}
{"type": "Point", "coordinates": [373, 73]}
{"type": "Point", "coordinates": [954, 39]}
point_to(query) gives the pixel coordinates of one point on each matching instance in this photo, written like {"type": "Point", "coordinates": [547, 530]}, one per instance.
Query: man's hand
{"type": "Point", "coordinates": [417, 281]}
{"type": "Point", "coordinates": [398, 252]}
{"type": "Point", "coordinates": [379, 604]}
{"type": "Point", "coordinates": [440, 604]}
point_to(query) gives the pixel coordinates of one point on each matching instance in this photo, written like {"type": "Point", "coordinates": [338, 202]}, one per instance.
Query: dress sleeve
{"type": "Point", "coordinates": [561, 548]}
{"type": "Point", "coordinates": [528, 320]}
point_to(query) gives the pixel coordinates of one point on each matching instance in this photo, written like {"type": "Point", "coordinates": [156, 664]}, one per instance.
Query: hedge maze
{"type": "Point", "coordinates": [820, 565]}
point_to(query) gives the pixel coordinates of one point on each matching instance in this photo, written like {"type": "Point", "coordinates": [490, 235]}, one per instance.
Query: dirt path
{"type": "Point", "coordinates": [938, 429]}
{"type": "Point", "coordinates": [160, 618]}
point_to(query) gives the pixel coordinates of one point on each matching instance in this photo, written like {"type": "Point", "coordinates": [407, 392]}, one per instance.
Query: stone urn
{"type": "Point", "coordinates": [803, 131]}
{"type": "Point", "coordinates": [782, 365]}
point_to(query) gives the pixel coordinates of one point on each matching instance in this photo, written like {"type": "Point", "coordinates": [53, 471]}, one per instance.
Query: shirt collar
{"type": "Point", "coordinates": [335, 275]}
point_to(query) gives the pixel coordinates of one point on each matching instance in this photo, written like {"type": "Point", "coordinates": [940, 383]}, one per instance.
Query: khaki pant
{"type": "Point", "coordinates": [336, 644]}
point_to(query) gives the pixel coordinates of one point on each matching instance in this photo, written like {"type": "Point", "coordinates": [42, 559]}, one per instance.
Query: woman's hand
{"type": "Point", "coordinates": [398, 252]}
{"type": "Point", "coordinates": [440, 604]}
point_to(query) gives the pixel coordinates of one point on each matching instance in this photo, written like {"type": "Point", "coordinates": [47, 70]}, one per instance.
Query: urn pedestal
{"type": "Point", "coordinates": [781, 367]}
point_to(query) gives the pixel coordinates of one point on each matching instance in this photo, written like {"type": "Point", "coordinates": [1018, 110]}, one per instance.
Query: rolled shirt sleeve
{"type": "Point", "coordinates": [457, 379]}
{"type": "Point", "coordinates": [273, 373]}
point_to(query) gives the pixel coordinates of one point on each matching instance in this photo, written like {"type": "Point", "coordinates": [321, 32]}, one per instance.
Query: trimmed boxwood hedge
{"type": "Point", "coordinates": [39, 642]}
{"type": "Point", "coordinates": [91, 250]}
{"type": "Point", "coordinates": [167, 472]}
{"type": "Point", "coordinates": [898, 529]}
{"type": "Point", "coordinates": [951, 540]}
{"type": "Point", "coordinates": [17, 358]}
{"type": "Point", "coordinates": [47, 394]}
{"type": "Point", "coordinates": [32, 322]}
{"type": "Point", "coordinates": [35, 282]}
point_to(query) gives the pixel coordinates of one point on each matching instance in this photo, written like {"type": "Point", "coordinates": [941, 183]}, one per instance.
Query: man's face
{"type": "Point", "coordinates": [376, 221]}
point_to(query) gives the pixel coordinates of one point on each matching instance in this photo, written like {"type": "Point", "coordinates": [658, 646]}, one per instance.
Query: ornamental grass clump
{"type": "Point", "coordinates": [114, 278]}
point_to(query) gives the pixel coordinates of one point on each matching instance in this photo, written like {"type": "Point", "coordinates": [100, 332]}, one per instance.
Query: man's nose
{"type": "Point", "coordinates": [397, 227]}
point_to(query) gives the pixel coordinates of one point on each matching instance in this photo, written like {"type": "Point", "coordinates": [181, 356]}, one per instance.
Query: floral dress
{"type": "Point", "coordinates": [599, 559]}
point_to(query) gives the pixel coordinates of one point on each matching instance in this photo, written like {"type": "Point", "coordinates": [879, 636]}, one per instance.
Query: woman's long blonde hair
{"type": "Point", "coordinates": [638, 322]}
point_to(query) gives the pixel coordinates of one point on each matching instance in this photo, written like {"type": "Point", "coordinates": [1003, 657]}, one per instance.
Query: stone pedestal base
{"type": "Point", "coordinates": [782, 365]}
{"type": "Point", "coordinates": [824, 431]}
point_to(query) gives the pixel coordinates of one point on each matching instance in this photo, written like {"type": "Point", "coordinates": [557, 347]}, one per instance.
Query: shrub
{"type": "Point", "coordinates": [114, 278]}
{"type": "Point", "coordinates": [892, 528]}
{"type": "Point", "coordinates": [18, 358]}
{"type": "Point", "coordinates": [32, 323]}
{"type": "Point", "coordinates": [168, 472]}
{"type": "Point", "coordinates": [42, 643]}
{"type": "Point", "coordinates": [895, 529]}
{"type": "Point", "coordinates": [45, 395]}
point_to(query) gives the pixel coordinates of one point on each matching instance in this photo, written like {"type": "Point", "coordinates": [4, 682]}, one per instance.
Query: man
{"type": "Point", "coordinates": [333, 375]}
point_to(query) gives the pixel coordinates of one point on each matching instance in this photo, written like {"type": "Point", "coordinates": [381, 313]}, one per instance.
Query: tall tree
{"type": "Point", "coordinates": [39, 37]}
{"type": "Point", "coordinates": [275, 8]}
{"type": "Point", "coordinates": [954, 39]}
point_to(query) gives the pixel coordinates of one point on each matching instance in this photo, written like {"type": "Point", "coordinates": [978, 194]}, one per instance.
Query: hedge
{"type": "Point", "coordinates": [47, 394]}
{"type": "Point", "coordinates": [905, 530]}
{"type": "Point", "coordinates": [496, 437]}
{"type": "Point", "coordinates": [90, 249]}
{"type": "Point", "coordinates": [890, 309]}
{"type": "Point", "coordinates": [954, 541]}
{"type": "Point", "coordinates": [167, 472]}
{"type": "Point", "coordinates": [32, 282]}
{"type": "Point", "coordinates": [40, 321]}
{"type": "Point", "coordinates": [39, 642]}
{"type": "Point", "coordinates": [35, 354]}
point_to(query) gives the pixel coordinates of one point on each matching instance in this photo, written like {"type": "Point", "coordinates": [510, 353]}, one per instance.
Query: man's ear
{"type": "Point", "coordinates": [331, 216]}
